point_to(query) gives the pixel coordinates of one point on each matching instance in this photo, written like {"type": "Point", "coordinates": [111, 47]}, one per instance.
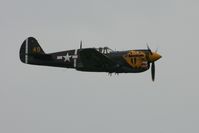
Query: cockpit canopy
{"type": "Point", "coordinates": [104, 50]}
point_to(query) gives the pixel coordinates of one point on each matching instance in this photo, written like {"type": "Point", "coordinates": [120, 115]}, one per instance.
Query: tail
{"type": "Point", "coordinates": [30, 49]}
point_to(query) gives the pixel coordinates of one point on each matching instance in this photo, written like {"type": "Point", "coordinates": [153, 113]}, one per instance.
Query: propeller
{"type": "Point", "coordinates": [153, 64]}
{"type": "Point", "coordinates": [149, 49]}
{"type": "Point", "coordinates": [153, 71]}
{"type": "Point", "coordinates": [156, 50]}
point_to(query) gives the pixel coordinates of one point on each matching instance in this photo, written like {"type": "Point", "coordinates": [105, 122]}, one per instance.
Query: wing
{"type": "Point", "coordinates": [90, 57]}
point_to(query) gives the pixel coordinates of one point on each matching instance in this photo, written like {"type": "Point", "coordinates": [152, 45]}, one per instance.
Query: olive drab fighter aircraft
{"type": "Point", "coordinates": [91, 59]}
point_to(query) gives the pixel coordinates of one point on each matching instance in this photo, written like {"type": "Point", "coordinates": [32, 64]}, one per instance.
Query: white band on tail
{"type": "Point", "coordinates": [26, 52]}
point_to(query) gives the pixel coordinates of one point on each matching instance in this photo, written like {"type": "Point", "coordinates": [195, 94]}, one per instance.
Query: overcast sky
{"type": "Point", "coordinates": [35, 99]}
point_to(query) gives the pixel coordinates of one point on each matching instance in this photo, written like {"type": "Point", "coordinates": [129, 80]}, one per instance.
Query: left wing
{"type": "Point", "coordinates": [91, 57]}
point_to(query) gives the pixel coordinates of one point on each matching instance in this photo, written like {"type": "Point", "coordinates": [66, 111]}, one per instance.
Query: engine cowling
{"type": "Point", "coordinates": [136, 59]}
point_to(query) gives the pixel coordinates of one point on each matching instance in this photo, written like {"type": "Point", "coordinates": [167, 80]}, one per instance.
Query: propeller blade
{"type": "Point", "coordinates": [149, 49]}
{"type": "Point", "coordinates": [153, 71]}
{"type": "Point", "coordinates": [156, 50]}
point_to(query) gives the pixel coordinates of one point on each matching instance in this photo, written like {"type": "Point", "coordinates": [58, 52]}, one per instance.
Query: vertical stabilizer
{"type": "Point", "coordinates": [30, 47]}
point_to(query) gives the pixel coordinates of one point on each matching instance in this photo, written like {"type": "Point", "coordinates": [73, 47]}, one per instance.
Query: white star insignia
{"type": "Point", "coordinates": [67, 57]}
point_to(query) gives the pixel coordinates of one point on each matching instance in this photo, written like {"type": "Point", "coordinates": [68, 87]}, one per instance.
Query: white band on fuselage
{"type": "Point", "coordinates": [75, 58]}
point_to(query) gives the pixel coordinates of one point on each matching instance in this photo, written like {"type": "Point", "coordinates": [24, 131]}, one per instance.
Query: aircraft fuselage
{"type": "Point", "coordinates": [89, 59]}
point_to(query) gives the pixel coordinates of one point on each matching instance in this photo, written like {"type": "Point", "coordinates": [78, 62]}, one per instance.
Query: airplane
{"type": "Point", "coordinates": [101, 59]}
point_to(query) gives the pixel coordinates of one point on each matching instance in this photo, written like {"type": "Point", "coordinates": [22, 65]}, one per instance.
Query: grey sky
{"type": "Point", "coordinates": [44, 99]}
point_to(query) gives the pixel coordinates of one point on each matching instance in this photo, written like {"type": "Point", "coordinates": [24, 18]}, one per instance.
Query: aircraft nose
{"type": "Point", "coordinates": [155, 56]}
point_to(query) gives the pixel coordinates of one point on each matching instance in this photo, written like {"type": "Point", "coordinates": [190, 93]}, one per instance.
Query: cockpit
{"type": "Point", "coordinates": [104, 50]}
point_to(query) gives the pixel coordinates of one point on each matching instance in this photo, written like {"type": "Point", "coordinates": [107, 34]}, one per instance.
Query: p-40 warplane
{"type": "Point", "coordinates": [91, 59]}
